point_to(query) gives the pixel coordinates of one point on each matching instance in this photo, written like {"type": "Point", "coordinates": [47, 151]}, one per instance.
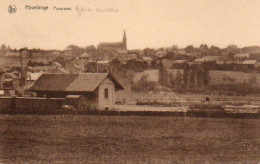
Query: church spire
{"type": "Point", "coordinates": [124, 39]}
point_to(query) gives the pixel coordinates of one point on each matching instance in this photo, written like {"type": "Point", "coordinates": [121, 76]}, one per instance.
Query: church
{"type": "Point", "coordinates": [114, 46]}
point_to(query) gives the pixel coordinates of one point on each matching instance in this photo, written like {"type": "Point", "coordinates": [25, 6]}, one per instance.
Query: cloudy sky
{"type": "Point", "coordinates": [148, 23]}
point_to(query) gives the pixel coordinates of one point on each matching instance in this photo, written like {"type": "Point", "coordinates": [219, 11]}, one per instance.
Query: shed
{"type": "Point", "coordinates": [97, 89]}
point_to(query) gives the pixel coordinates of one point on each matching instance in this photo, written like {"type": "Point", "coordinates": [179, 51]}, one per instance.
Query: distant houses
{"type": "Point", "coordinates": [9, 83]}
{"type": "Point", "coordinates": [241, 56]}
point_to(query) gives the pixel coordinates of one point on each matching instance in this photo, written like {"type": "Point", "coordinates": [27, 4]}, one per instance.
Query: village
{"type": "Point", "coordinates": [133, 81]}
{"type": "Point", "coordinates": [111, 77]}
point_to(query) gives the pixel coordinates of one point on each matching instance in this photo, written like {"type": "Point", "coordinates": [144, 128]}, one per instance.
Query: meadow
{"type": "Point", "coordinates": [127, 139]}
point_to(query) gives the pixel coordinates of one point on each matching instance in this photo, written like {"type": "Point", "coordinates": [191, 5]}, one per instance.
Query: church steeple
{"type": "Point", "coordinates": [124, 39]}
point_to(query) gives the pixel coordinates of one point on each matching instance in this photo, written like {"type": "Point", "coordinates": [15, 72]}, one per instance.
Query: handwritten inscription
{"type": "Point", "coordinates": [80, 10]}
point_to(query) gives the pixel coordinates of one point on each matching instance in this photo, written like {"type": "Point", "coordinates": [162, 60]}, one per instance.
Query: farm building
{"type": "Point", "coordinates": [96, 89]}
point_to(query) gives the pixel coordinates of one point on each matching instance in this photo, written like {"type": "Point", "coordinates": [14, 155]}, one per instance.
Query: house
{"type": "Point", "coordinates": [167, 63]}
{"type": "Point", "coordinates": [98, 68]}
{"type": "Point", "coordinates": [84, 56]}
{"type": "Point", "coordinates": [57, 64]}
{"type": "Point", "coordinates": [31, 77]}
{"type": "Point", "coordinates": [1, 78]}
{"type": "Point", "coordinates": [97, 89]}
{"type": "Point", "coordinates": [241, 56]}
{"type": "Point", "coordinates": [147, 59]}
{"type": "Point", "coordinates": [12, 53]}
{"type": "Point", "coordinates": [104, 62]}
{"type": "Point", "coordinates": [9, 82]}
{"type": "Point", "coordinates": [47, 69]}
{"type": "Point", "coordinates": [249, 64]}
{"type": "Point", "coordinates": [160, 53]}
{"type": "Point", "coordinates": [179, 61]}
{"type": "Point", "coordinates": [73, 67]}
{"type": "Point", "coordinates": [207, 59]}
{"type": "Point", "coordinates": [84, 59]}
{"type": "Point", "coordinates": [122, 52]}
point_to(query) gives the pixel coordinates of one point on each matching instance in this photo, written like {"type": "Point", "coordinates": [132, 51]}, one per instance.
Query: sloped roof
{"type": "Point", "coordinates": [2, 70]}
{"type": "Point", "coordinates": [147, 58]}
{"type": "Point", "coordinates": [57, 64]}
{"type": "Point", "coordinates": [241, 55]}
{"type": "Point", "coordinates": [11, 76]}
{"type": "Point", "coordinates": [179, 61]}
{"type": "Point", "coordinates": [103, 61]}
{"type": "Point", "coordinates": [207, 59]}
{"type": "Point", "coordinates": [33, 76]}
{"type": "Point", "coordinates": [122, 51]}
{"type": "Point", "coordinates": [53, 82]}
{"type": "Point", "coordinates": [84, 55]}
{"type": "Point", "coordinates": [84, 82]}
{"type": "Point", "coordinates": [61, 70]}
{"type": "Point", "coordinates": [111, 44]}
{"type": "Point", "coordinates": [249, 62]}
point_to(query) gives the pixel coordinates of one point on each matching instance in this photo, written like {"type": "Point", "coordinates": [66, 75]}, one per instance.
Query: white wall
{"type": "Point", "coordinates": [106, 102]}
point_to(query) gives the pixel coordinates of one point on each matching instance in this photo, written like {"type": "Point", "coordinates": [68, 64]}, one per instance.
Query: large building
{"type": "Point", "coordinates": [114, 46]}
{"type": "Point", "coordinates": [98, 90]}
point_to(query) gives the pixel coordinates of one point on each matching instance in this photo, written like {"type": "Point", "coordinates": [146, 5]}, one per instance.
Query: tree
{"type": "Point", "coordinates": [215, 50]}
{"type": "Point", "coordinates": [154, 64]}
{"type": "Point", "coordinates": [199, 77]}
{"type": "Point", "coordinates": [178, 80]}
{"type": "Point", "coordinates": [203, 47]}
{"type": "Point", "coordinates": [163, 75]}
{"type": "Point", "coordinates": [205, 77]}
{"type": "Point", "coordinates": [185, 77]}
{"type": "Point", "coordinates": [144, 84]}
{"type": "Point", "coordinates": [192, 78]}
{"type": "Point", "coordinates": [189, 49]}
{"type": "Point", "coordinates": [135, 65]}
{"type": "Point", "coordinates": [115, 62]}
{"type": "Point", "coordinates": [3, 49]}
{"type": "Point", "coordinates": [172, 80]}
{"type": "Point", "coordinates": [253, 81]}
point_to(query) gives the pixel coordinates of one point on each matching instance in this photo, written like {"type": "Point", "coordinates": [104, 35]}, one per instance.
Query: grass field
{"type": "Point", "coordinates": [128, 139]}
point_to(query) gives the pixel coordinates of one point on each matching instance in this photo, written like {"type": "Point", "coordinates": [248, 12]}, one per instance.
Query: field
{"type": "Point", "coordinates": [127, 139]}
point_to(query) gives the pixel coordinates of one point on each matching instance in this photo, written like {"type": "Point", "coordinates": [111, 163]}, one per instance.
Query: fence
{"type": "Point", "coordinates": [26, 103]}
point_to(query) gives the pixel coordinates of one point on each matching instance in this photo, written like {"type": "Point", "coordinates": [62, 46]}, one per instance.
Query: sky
{"type": "Point", "coordinates": [148, 23]}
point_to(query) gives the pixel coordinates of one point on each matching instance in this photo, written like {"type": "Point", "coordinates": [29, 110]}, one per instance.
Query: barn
{"type": "Point", "coordinates": [96, 89]}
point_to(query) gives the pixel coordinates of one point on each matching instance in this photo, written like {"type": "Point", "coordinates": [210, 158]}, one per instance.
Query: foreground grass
{"type": "Point", "coordinates": [130, 139]}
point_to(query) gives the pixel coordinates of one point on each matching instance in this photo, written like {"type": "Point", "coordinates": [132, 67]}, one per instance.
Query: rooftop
{"type": "Point", "coordinates": [249, 62]}
{"type": "Point", "coordinates": [83, 82]}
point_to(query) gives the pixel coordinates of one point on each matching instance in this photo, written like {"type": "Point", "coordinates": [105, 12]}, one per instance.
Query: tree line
{"type": "Point", "coordinates": [192, 76]}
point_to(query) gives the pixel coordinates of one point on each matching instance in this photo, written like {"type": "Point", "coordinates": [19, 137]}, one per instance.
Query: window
{"type": "Point", "coordinates": [106, 93]}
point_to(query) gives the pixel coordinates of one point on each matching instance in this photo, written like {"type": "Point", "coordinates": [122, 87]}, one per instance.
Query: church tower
{"type": "Point", "coordinates": [125, 40]}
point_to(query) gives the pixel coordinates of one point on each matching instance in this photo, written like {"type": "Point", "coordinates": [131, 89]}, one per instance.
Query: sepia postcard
{"type": "Point", "coordinates": [129, 81]}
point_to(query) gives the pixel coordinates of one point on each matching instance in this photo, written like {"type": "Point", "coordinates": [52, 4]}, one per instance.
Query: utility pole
{"type": "Point", "coordinates": [21, 59]}
{"type": "Point", "coordinates": [22, 80]}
